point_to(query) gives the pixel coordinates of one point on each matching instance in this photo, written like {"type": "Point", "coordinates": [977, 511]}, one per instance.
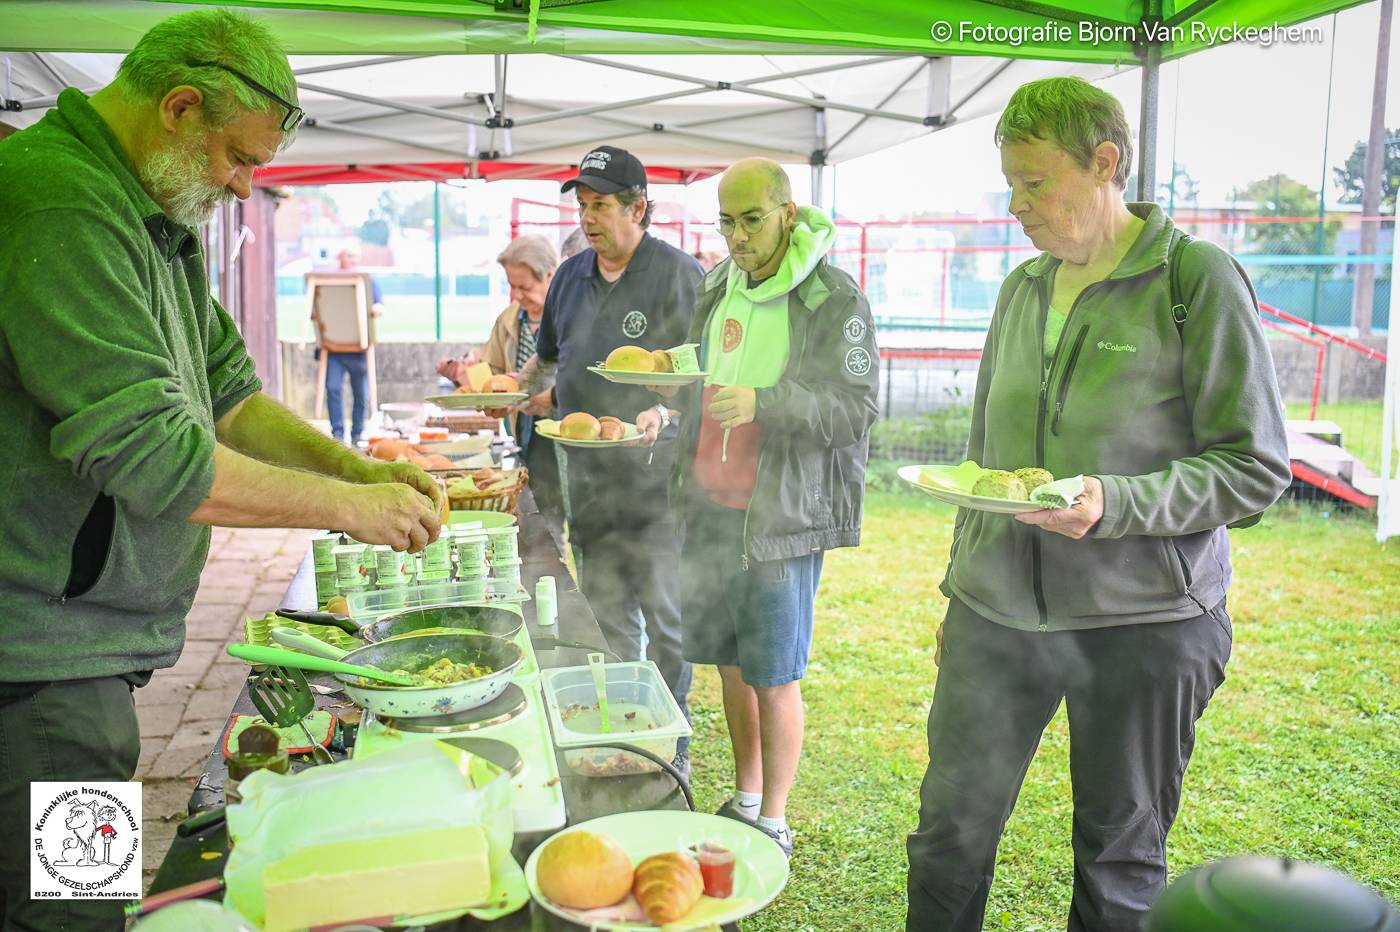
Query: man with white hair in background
{"type": "Point", "coordinates": [136, 417]}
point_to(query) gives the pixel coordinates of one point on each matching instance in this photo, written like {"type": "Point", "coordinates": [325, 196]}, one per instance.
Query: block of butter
{"type": "Point", "coordinates": [477, 376]}
{"type": "Point", "coordinates": [412, 874]}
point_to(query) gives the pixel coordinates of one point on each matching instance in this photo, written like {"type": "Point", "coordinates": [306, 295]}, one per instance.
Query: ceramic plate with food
{"type": "Point", "coordinates": [551, 429]}
{"type": "Point", "coordinates": [760, 870]}
{"type": "Point", "coordinates": [955, 484]}
{"type": "Point", "coordinates": [629, 377]}
{"type": "Point", "coordinates": [459, 401]}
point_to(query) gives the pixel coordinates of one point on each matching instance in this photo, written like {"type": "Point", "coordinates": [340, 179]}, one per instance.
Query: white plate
{"type": "Point", "coordinates": [459, 401]}
{"type": "Point", "coordinates": [948, 487]}
{"type": "Point", "coordinates": [760, 869]}
{"type": "Point", "coordinates": [550, 429]}
{"type": "Point", "coordinates": [647, 378]}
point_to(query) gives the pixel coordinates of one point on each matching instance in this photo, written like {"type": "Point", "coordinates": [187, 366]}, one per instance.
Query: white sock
{"type": "Point", "coordinates": [779, 826]}
{"type": "Point", "coordinates": [747, 803]}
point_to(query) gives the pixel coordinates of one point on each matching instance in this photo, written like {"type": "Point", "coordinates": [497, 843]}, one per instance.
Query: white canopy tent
{"type": "Point", "coordinates": [512, 116]}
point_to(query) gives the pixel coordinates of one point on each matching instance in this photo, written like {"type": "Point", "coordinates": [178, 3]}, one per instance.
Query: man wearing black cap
{"type": "Point", "coordinates": [628, 288]}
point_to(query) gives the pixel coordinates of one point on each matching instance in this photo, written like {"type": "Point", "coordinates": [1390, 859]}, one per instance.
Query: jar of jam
{"type": "Point", "coordinates": [716, 869]}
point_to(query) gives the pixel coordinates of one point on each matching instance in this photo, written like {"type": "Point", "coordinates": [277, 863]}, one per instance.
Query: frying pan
{"type": "Point", "coordinates": [486, 619]}
{"type": "Point", "coordinates": [412, 654]}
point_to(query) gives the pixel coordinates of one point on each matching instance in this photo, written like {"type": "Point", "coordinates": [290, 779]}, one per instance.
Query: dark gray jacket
{"type": "Point", "coordinates": [1184, 430]}
{"type": "Point", "coordinates": [816, 421]}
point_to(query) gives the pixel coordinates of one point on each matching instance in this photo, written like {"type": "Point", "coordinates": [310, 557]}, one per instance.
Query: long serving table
{"type": "Point", "coordinates": [201, 856]}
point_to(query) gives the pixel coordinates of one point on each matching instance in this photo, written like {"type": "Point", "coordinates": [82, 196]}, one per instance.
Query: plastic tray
{"type": "Point", "coordinates": [633, 688]}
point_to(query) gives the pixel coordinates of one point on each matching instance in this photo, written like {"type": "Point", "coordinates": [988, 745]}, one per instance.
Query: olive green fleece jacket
{"type": "Point", "coordinates": [1185, 431]}
{"type": "Point", "coordinates": [115, 362]}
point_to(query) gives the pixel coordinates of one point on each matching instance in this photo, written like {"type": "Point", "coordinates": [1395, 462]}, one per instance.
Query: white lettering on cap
{"type": "Point", "coordinates": [596, 160]}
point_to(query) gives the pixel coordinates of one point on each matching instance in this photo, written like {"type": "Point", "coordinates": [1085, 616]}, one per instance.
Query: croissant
{"type": "Point", "coordinates": [667, 886]}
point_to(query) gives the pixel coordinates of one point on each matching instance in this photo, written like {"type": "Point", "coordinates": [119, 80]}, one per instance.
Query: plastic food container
{"type": "Point", "coordinates": [504, 543]}
{"type": "Point", "coordinates": [641, 711]}
{"type": "Point", "coordinates": [326, 588]}
{"type": "Point", "coordinates": [352, 566]}
{"type": "Point", "coordinates": [323, 551]}
{"type": "Point", "coordinates": [471, 552]}
{"type": "Point", "coordinates": [437, 556]}
{"type": "Point", "coordinates": [392, 568]}
{"type": "Point", "coordinates": [683, 358]}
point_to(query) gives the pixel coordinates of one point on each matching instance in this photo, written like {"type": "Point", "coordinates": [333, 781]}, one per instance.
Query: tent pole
{"type": "Point", "coordinates": [818, 158]}
{"type": "Point", "coordinates": [1147, 128]}
{"type": "Point", "coordinates": [437, 261]}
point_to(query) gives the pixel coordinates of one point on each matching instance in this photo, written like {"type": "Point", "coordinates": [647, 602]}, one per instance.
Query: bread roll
{"type": "Point", "coordinates": [612, 430]}
{"type": "Point", "coordinates": [668, 886]}
{"type": "Point", "coordinates": [584, 870]}
{"type": "Point", "coordinates": [579, 426]}
{"type": "Point", "coordinates": [662, 359]}
{"type": "Point", "coordinates": [630, 359]}
{"type": "Point", "coordinates": [500, 383]}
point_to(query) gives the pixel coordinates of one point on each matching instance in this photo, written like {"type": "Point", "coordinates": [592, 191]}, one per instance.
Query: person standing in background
{"type": "Point", "coordinates": [353, 364]}
{"type": "Point", "coordinates": [628, 288]}
{"type": "Point", "coordinates": [529, 262]}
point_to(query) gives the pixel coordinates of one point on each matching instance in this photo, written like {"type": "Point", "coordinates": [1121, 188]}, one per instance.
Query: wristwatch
{"type": "Point", "coordinates": [665, 413]}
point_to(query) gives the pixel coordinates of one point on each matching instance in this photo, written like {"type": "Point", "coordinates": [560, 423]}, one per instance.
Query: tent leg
{"type": "Point", "coordinates": [1147, 129]}
{"type": "Point", "coordinates": [817, 195]}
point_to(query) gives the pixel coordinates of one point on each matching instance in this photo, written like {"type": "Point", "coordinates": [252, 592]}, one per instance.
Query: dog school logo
{"type": "Point", "coordinates": [85, 841]}
{"type": "Point", "coordinates": [854, 329]}
{"type": "Point", "coordinates": [858, 361]}
{"type": "Point", "coordinates": [634, 324]}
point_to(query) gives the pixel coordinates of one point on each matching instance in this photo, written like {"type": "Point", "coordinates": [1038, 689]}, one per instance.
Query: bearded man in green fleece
{"type": "Point", "coordinates": [136, 418]}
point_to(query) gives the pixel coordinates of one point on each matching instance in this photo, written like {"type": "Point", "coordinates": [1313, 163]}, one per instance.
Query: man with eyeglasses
{"type": "Point", "coordinates": [136, 417]}
{"type": "Point", "coordinates": [770, 468]}
{"type": "Point", "coordinates": [628, 288]}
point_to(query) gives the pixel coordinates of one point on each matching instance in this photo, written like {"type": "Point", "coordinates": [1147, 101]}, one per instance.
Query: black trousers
{"type": "Point", "coordinates": [1133, 694]}
{"type": "Point", "coordinates": [74, 730]}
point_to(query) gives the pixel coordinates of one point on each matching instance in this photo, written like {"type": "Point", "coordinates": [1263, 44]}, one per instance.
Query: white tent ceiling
{"type": "Point", "coordinates": [671, 110]}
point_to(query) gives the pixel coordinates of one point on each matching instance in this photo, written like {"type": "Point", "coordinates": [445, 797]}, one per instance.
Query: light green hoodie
{"type": "Point", "coordinates": [756, 319]}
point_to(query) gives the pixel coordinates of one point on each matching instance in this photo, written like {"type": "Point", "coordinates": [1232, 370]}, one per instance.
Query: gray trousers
{"type": "Point", "coordinates": [72, 730]}
{"type": "Point", "coordinates": [1133, 694]}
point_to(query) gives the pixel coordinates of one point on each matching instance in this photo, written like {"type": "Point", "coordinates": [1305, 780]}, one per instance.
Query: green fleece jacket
{"type": "Point", "coordinates": [1185, 430]}
{"type": "Point", "coordinates": [115, 362]}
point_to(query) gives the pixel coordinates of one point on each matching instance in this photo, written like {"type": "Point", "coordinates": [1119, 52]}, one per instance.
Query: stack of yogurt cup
{"type": "Point", "coordinates": [323, 559]}
{"type": "Point", "coordinates": [469, 545]}
{"type": "Point", "coordinates": [504, 553]}
{"type": "Point", "coordinates": [354, 566]}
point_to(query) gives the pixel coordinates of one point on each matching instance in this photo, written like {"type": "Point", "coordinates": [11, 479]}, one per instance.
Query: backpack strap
{"type": "Point", "coordinates": [1180, 309]}
{"type": "Point", "coordinates": [1179, 306]}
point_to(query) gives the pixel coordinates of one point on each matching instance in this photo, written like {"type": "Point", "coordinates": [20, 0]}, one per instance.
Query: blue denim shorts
{"type": "Point", "coordinates": [759, 619]}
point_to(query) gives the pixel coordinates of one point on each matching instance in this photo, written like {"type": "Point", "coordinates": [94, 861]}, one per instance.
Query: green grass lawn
{"type": "Point", "coordinates": [1298, 754]}
{"type": "Point", "coordinates": [1360, 421]}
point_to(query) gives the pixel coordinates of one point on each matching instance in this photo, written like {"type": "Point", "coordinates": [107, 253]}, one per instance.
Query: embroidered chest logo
{"type": "Point", "coordinates": [854, 329]}
{"type": "Point", "coordinates": [733, 333]}
{"type": "Point", "coordinates": [634, 324]}
{"type": "Point", "coordinates": [1117, 347]}
{"type": "Point", "coordinates": [858, 361]}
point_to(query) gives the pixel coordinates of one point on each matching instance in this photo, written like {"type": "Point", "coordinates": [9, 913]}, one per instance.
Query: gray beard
{"type": "Point", "coordinates": [178, 181]}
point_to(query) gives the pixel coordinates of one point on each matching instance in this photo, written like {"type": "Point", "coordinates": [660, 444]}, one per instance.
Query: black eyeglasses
{"type": "Point", "coordinates": [294, 113]}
